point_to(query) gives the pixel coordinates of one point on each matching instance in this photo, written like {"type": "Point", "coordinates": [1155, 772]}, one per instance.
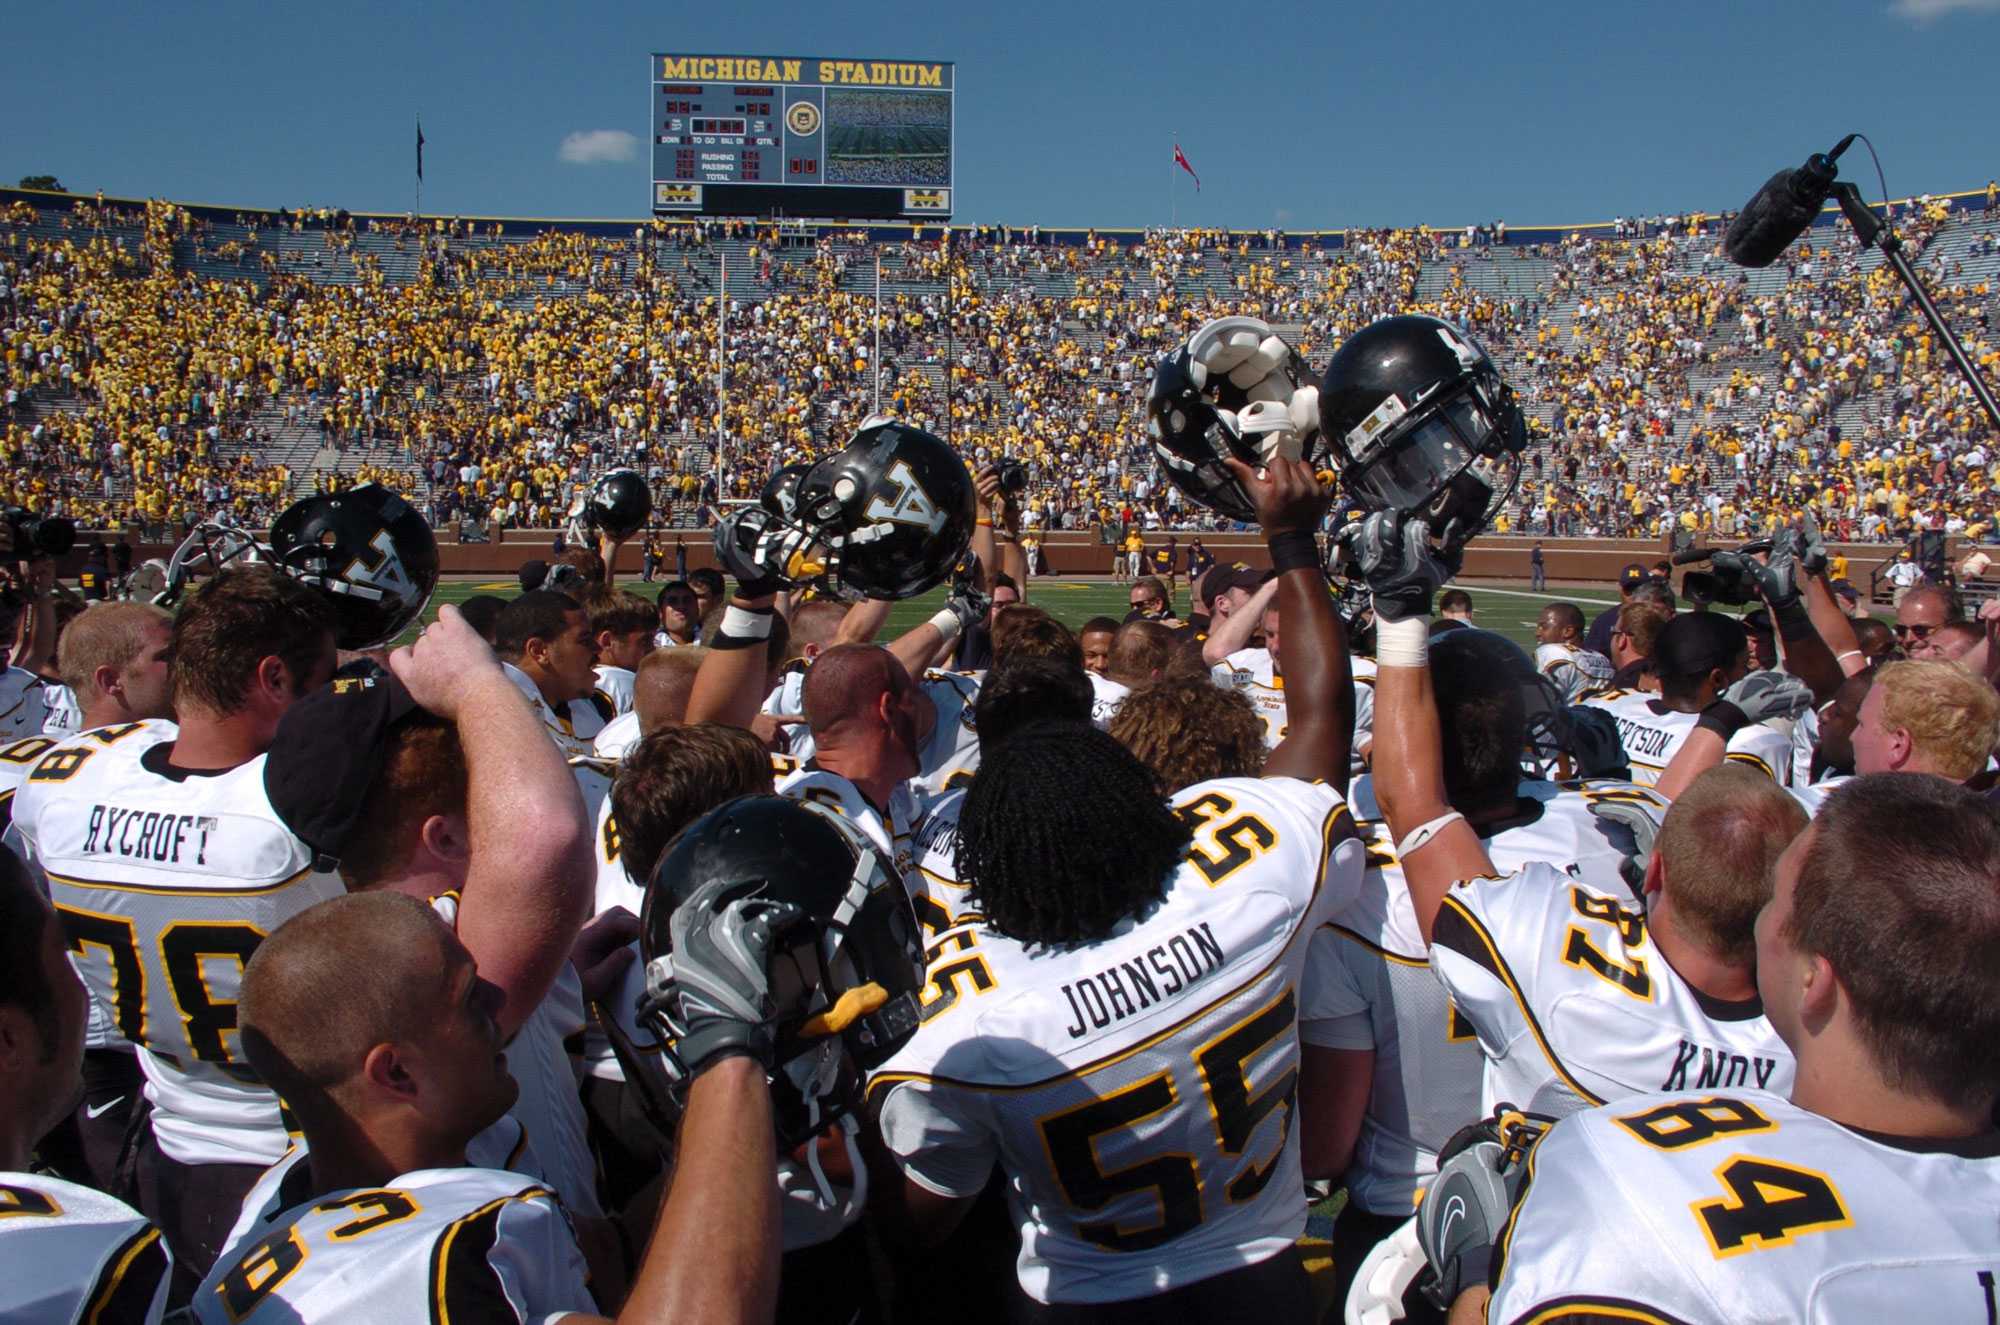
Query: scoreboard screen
{"type": "Point", "coordinates": [755, 135]}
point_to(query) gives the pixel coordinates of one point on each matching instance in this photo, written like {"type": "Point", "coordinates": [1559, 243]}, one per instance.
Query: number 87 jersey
{"type": "Point", "coordinates": [1138, 1092]}
{"type": "Point", "coordinates": [166, 881]}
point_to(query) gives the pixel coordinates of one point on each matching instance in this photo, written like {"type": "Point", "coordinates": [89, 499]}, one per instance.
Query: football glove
{"type": "Point", "coordinates": [1480, 1172]}
{"type": "Point", "coordinates": [1394, 557]}
{"type": "Point", "coordinates": [1278, 416]}
{"type": "Point", "coordinates": [715, 989]}
{"type": "Point", "coordinates": [1763, 695]}
{"type": "Point", "coordinates": [764, 553]}
{"type": "Point", "coordinates": [1812, 554]}
{"type": "Point", "coordinates": [1643, 827]}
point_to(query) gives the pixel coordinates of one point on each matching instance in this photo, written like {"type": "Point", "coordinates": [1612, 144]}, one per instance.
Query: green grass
{"type": "Point", "coordinates": [1498, 607]}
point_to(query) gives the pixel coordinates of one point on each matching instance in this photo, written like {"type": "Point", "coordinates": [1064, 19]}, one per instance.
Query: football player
{"type": "Point", "coordinates": [376, 1215]}
{"type": "Point", "coordinates": [114, 657]}
{"type": "Point", "coordinates": [23, 690]}
{"type": "Point", "coordinates": [72, 1253]}
{"type": "Point", "coordinates": [1575, 996]}
{"type": "Point", "coordinates": [1697, 657]}
{"type": "Point", "coordinates": [1865, 1193]}
{"type": "Point", "coordinates": [621, 628]}
{"type": "Point", "coordinates": [1560, 655]}
{"type": "Point", "coordinates": [1370, 987]}
{"type": "Point", "coordinates": [1113, 1029]}
{"type": "Point", "coordinates": [168, 867]}
{"type": "Point", "coordinates": [547, 651]}
{"type": "Point", "coordinates": [1258, 670]}
{"type": "Point", "coordinates": [391, 776]}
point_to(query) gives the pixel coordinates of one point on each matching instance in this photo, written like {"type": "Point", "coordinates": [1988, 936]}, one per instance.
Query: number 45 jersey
{"type": "Point", "coordinates": [1744, 1209]}
{"type": "Point", "coordinates": [1138, 1092]}
{"type": "Point", "coordinates": [166, 882]}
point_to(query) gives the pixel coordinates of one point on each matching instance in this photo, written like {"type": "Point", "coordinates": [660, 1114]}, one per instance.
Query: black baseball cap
{"type": "Point", "coordinates": [1223, 577]}
{"type": "Point", "coordinates": [1695, 643]}
{"type": "Point", "coordinates": [328, 753]}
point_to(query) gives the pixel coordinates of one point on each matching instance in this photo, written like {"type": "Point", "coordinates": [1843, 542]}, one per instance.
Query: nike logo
{"type": "Point", "coordinates": [1454, 1210]}
{"type": "Point", "coordinates": [102, 1109]}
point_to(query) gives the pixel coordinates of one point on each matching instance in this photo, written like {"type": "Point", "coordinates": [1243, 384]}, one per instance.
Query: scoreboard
{"type": "Point", "coordinates": [757, 135]}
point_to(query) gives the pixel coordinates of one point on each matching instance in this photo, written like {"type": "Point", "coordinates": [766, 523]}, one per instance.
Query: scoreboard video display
{"type": "Point", "coordinates": [758, 135]}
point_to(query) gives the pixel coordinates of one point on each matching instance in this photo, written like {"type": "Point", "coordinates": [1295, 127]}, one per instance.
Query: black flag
{"type": "Point", "coordinates": [420, 150]}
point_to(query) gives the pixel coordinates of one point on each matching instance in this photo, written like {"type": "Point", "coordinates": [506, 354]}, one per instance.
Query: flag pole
{"type": "Point", "coordinates": [1174, 185]}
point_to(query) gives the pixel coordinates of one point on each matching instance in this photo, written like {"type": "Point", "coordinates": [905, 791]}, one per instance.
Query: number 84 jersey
{"type": "Point", "coordinates": [1744, 1209]}
{"type": "Point", "coordinates": [1138, 1092]}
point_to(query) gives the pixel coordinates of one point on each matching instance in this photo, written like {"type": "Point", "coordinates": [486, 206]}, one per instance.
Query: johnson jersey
{"type": "Point", "coordinates": [1653, 735]}
{"type": "Point", "coordinates": [1573, 1006]}
{"type": "Point", "coordinates": [437, 1244]}
{"type": "Point", "coordinates": [23, 709]}
{"type": "Point", "coordinates": [1137, 1092]}
{"type": "Point", "coordinates": [1251, 672]}
{"type": "Point", "coordinates": [1369, 984]}
{"type": "Point", "coordinates": [572, 725]}
{"type": "Point", "coordinates": [1106, 695]}
{"type": "Point", "coordinates": [614, 687]}
{"type": "Point", "coordinates": [1575, 671]}
{"type": "Point", "coordinates": [60, 716]}
{"type": "Point", "coordinates": [547, 1108]}
{"type": "Point", "coordinates": [166, 881]}
{"type": "Point", "coordinates": [1750, 1211]}
{"type": "Point", "coordinates": [74, 1255]}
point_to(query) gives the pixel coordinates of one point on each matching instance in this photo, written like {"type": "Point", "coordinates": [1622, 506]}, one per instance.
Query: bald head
{"type": "Point", "coordinates": [846, 685]}
{"type": "Point", "coordinates": [307, 1021]}
{"type": "Point", "coordinates": [662, 684]}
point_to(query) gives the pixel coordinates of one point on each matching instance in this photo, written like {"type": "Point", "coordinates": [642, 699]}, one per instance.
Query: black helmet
{"type": "Point", "coordinates": [781, 490]}
{"type": "Point", "coordinates": [890, 513]}
{"type": "Point", "coordinates": [619, 503]}
{"type": "Point", "coordinates": [868, 946]}
{"type": "Point", "coordinates": [1420, 422]}
{"type": "Point", "coordinates": [1193, 416]}
{"type": "Point", "coordinates": [368, 551]}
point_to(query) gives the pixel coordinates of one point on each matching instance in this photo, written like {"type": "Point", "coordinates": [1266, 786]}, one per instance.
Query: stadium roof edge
{"type": "Point", "coordinates": [914, 223]}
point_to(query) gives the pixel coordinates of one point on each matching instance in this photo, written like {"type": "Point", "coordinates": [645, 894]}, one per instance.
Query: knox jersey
{"type": "Point", "coordinates": [1369, 984]}
{"type": "Point", "coordinates": [1740, 1208]}
{"type": "Point", "coordinates": [166, 881]}
{"type": "Point", "coordinates": [1653, 734]}
{"type": "Point", "coordinates": [1574, 1007]}
{"type": "Point", "coordinates": [75, 1256]}
{"type": "Point", "coordinates": [1138, 1092]}
{"type": "Point", "coordinates": [437, 1244]}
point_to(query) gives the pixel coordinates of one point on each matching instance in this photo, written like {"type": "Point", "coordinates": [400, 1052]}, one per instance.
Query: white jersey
{"type": "Point", "coordinates": [1574, 671]}
{"type": "Point", "coordinates": [1813, 796]}
{"type": "Point", "coordinates": [573, 725]}
{"type": "Point", "coordinates": [1369, 984]}
{"type": "Point", "coordinates": [614, 687]}
{"type": "Point", "coordinates": [1805, 743]}
{"type": "Point", "coordinates": [1137, 1092]}
{"type": "Point", "coordinates": [167, 880]}
{"type": "Point", "coordinates": [950, 752]}
{"type": "Point", "coordinates": [1750, 1211]}
{"type": "Point", "coordinates": [1653, 734]}
{"type": "Point", "coordinates": [23, 707]}
{"type": "Point", "coordinates": [547, 1108]}
{"type": "Point", "coordinates": [1252, 673]}
{"type": "Point", "coordinates": [1574, 1007]}
{"type": "Point", "coordinates": [75, 1256]}
{"type": "Point", "coordinates": [1364, 705]}
{"type": "Point", "coordinates": [60, 717]}
{"type": "Point", "coordinates": [1106, 696]}
{"type": "Point", "coordinates": [788, 698]}
{"type": "Point", "coordinates": [619, 735]}
{"type": "Point", "coordinates": [437, 1244]}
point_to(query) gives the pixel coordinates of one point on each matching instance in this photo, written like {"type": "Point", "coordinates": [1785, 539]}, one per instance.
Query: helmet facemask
{"type": "Point", "coordinates": [1454, 458]}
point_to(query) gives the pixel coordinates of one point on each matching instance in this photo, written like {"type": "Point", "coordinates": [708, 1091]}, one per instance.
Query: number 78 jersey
{"type": "Point", "coordinates": [1138, 1092]}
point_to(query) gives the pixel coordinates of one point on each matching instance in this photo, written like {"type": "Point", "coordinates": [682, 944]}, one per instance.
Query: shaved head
{"type": "Point", "coordinates": [815, 624]}
{"type": "Point", "coordinates": [848, 683]}
{"type": "Point", "coordinates": [662, 685]}
{"type": "Point", "coordinates": [333, 982]}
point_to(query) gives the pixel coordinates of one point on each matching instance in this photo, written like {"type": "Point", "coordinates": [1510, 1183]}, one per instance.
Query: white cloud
{"type": "Point", "coordinates": [592, 147]}
{"type": "Point", "coordinates": [1924, 11]}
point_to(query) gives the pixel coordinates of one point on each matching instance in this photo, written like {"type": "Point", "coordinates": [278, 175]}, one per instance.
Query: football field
{"type": "Point", "coordinates": [1504, 607]}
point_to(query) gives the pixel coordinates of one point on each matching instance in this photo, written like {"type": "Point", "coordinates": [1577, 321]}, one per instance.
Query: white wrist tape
{"type": "Point", "coordinates": [947, 625]}
{"type": "Point", "coordinates": [741, 623]}
{"type": "Point", "coordinates": [1421, 835]}
{"type": "Point", "coordinates": [1405, 643]}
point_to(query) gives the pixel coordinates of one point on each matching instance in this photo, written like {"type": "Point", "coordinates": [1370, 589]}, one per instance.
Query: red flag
{"type": "Point", "coordinates": [1180, 159]}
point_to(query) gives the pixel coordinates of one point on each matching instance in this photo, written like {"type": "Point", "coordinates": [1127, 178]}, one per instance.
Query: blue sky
{"type": "Point", "coordinates": [1303, 115]}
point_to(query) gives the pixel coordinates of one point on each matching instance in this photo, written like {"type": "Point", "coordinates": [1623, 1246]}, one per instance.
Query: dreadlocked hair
{"type": "Point", "coordinates": [1063, 836]}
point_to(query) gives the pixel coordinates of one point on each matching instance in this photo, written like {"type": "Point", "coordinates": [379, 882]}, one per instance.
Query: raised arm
{"type": "Point", "coordinates": [529, 884]}
{"type": "Point", "coordinates": [1319, 682]}
{"type": "Point", "coordinates": [1435, 844]}
{"type": "Point", "coordinates": [1234, 631]}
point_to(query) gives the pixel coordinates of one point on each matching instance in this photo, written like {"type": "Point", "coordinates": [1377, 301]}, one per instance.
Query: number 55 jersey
{"type": "Point", "coordinates": [166, 881]}
{"type": "Point", "coordinates": [1138, 1092]}
{"type": "Point", "coordinates": [1745, 1209]}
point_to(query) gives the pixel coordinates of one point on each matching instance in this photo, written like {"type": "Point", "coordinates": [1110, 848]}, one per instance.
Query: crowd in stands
{"type": "Point", "coordinates": [163, 363]}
